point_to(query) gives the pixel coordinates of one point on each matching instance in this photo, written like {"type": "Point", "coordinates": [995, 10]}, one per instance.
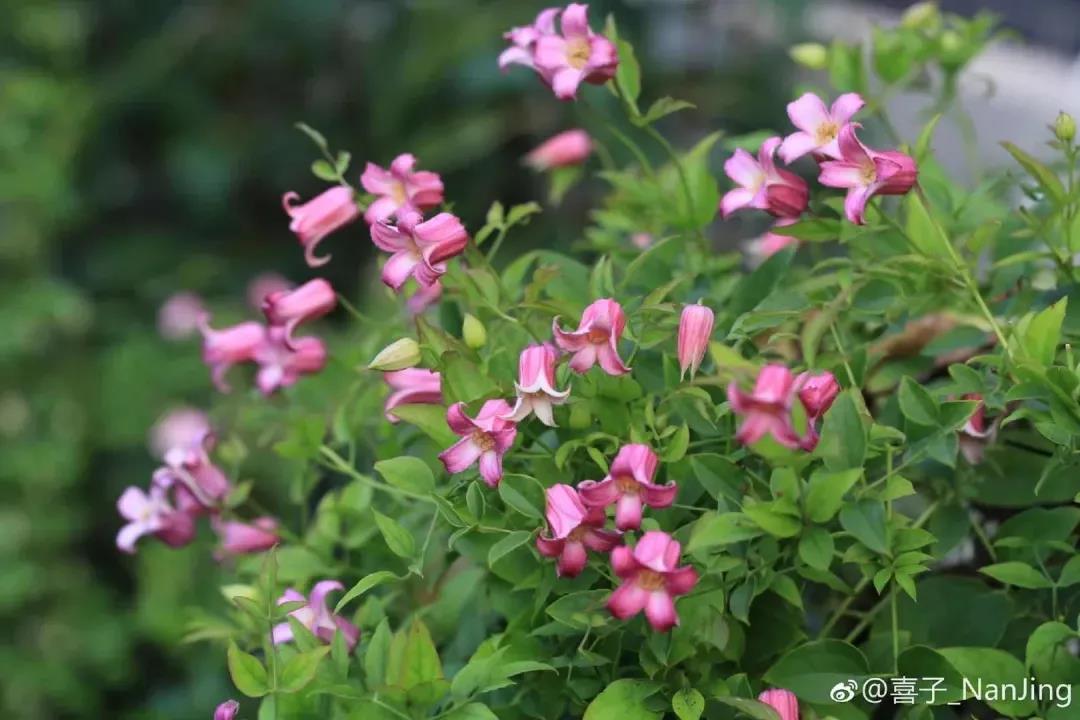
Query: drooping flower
{"type": "Point", "coordinates": [783, 702]}
{"type": "Point", "coordinates": [227, 710]}
{"type": "Point", "coordinates": [765, 246]}
{"type": "Point", "coordinates": [571, 147]}
{"type": "Point", "coordinates": [289, 308]}
{"type": "Point", "coordinates": [975, 434]}
{"type": "Point", "coordinates": [182, 428]}
{"type": "Point", "coordinates": [318, 217]}
{"type": "Point", "coordinates": [574, 528]}
{"type": "Point", "coordinates": [226, 347]}
{"type": "Point", "coordinates": [178, 317]}
{"type": "Point", "coordinates": [239, 538]}
{"type": "Point", "coordinates": [485, 438]}
{"type": "Point", "coordinates": [629, 485]}
{"type": "Point", "coordinates": [766, 410]}
{"type": "Point", "coordinates": [762, 185]}
{"type": "Point", "coordinates": [652, 579]}
{"type": "Point", "coordinates": [264, 284]}
{"type": "Point", "coordinates": [190, 467]}
{"type": "Point", "coordinates": [420, 247]}
{"type": "Point", "coordinates": [523, 39]}
{"type": "Point", "coordinates": [577, 55]}
{"type": "Point", "coordinates": [282, 364]}
{"type": "Point", "coordinates": [818, 125]}
{"type": "Point", "coordinates": [695, 327]}
{"type": "Point", "coordinates": [152, 514]}
{"type": "Point", "coordinates": [865, 172]}
{"type": "Point", "coordinates": [817, 393]}
{"type": "Point", "coordinates": [412, 386]}
{"type": "Point", "coordinates": [596, 339]}
{"type": "Point", "coordinates": [535, 387]}
{"type": "Point", "coordinates": [400, 189]}
{"type": "Point", "coordinates": [315, 616]}
{"type": "Point", "coordinates": [424, 297]}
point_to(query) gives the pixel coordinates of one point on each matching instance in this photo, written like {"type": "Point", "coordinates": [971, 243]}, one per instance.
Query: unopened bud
{"type": "Point", "coordinates": [921, 16]}
{"type": "Point", "coordinates": [1065, 127]}
{"type": "Point", "coordinates": [951, 42]}
{"type": "Point", "coordinates": [473, 332]}
{"type": "Point", "coordinates": [814, 56]}
{"type": "Point", "coordinates": [404, 353]}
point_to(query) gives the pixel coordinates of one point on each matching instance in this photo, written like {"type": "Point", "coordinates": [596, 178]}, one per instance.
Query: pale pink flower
{"type": "Point", "coordinates": [523, 39]}
{"type": "Point", "coordinates": [652, 579]}
{"type": "Point", "coordinates": [182, 428]}
{"type": "Point", "coordinates": [783, 702]}
{"type": "Point", "coordinates": [152, 514]}
{"type": "Point", "coordinates": [866, 172]}
{"type": "Point", "coordinates": [578, 55]}
{"type": "Point", "coordinates": [765, 246]}
{"type": "Point", "coordinates": [641, 240]}
{"type": "Point", "coordinates": [975, 434]}
{"type": "Point", "coordinates": [289, 308]}
{"type": "Point", "coordinates": [485, 438]}
{"type": "Point", "coordinates": [816, 393]}
{"type": "Point", "coordinates": [420, 247]}
{"type": "Point", "coordinates": [412, 386]}
{"type": "Point", "coordinates": [264, 284]}
{"type": "Point", "coordinates": [596, 339]}
{"type": "Point", "coordinates": [316, 616]}
{"type": "Point", "coordinates": [227, 710]}
{"type": "Point", "coordinates": [400, 189]}
{"type": "Point", "coordinates": [536, 392]}
{"type": "Point", "coordinates": [424, 297]}
{"type": "Point", "coordinates": [766, 410]}
{"type": "Point", "coordinates": [762, 185]}
{"type": "Point", "coordinates": [229, 346]}
{"type": "Point", "coordinates": [818, 125]}
{"type": "Point", "coordinates": [565, 149]}
{"type": "Point", "coordinates": [179, 316]}
{"type": "Point", "coordinates": [320, 216]}
{"type": "Point", "coordinates": [574, 528]}
{"type": "Point", "coordinates": [629, 485]}
{"type": "Point", "coordinates": [239, 538]}
{"type": "Point", "coordinates": [282, 363]}
{"type": "Point", "coordinates": [695, 327]}
{"type": "Point", "coordinates": [191, 468]}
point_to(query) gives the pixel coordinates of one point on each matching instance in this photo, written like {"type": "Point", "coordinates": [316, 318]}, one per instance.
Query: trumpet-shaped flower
{"type": "Point", "coordinates": [652, 579]}
{"type": "Point", "coordinates": [574, 528]}
{"type": "Point", "coordinates": [400, 189]}
{"type": "Point", "coordinates": [866, 173]}
{"type": "Point", "coordinates": [816, 393]}
{"type": "Point", "coordinates": [818, 125]}
{"type": "Point", "coordinates": [535, 387]}
{"type": "Point", "coordinates": [281, 363]}
{"type": "Point", "coordinates": [229, 346]}
{"type": "Point", "coordinates": [695, 327]}
{"type": "Point", "coordinates": [629, 485]}
{"type": "Point", "coordinates": [289, 308]}
{"type": "Point", "coordinates": [762, 185]}
{"type": "Point", "coordinates": [563, 150]}
{"type": "Point", "coordinates": [412, 386]}
{"type": "Point", "coordinates": [264, 284]}
{"type": "Point", "coordinates": [523, 39]}
{"type": "Point", "coordinates": [240, 538]}
{"type": "Point", "coordinates": [181, 428]}
{"type": "Point", "coordinates": [420, 247]}
{"type": "Point", "coordinates": [315, 616]}
{"type": "Point", "coordinates": [783, 702]}
{"type": "Point", "coordinates": [596, 339]}
{"type": "Point", "coordinates": [577, 55]}
{"type": "Point", "coordinates": [485, 438]}
{"type": "Point", "coordinates": [767, 410]}
{"type": "Point", "coordinates": [318, 217]}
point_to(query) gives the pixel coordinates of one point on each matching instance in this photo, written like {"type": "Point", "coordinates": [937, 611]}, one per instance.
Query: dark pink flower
{"type": "Point", "coordinates": [523, 39]}
{"type": "Point", "coordinates": [282, 364]}
{"type": "Point", "coordinates": [565, 149]}
{"type": "Point", "coordinates": [596, 339]}
{"type": "Point", "coordinates": [485, 438]}
{"type": "Point", "coordinates": [767, 410]}
{"type": "Point", "coordinates": [536, 392]}
{"type": "Point", "coordinates": [239, 538]}
{"type": "Point", "coordinates": [179, 316]}
{"type": "Point", "coordinates": [420, 247]}
{"type": "Point", "coordinates": [400, 189]}
{"type": "Point", "coordinates": [315, 616]}
{"type": "Point", "coordinates": [866, 173]}
{"type": "Point", "coordinates": [318, 217]}
{"type": "Point", "coordinates": [817, 393]}
{"type": "Point", "coordinates": [695, 327]}
{"type": "Point", "coordinates": [264, 284]}
{"type": "Point", "coordinates": [975, 434]}
{"type": "Point", "coordinates": [227, 710]}
{"type": "Point", "coordinates": [192, 468]}
{"type": "Point", "coordinates": [578, 55]}
{"type": "Point", "coordinates": [289, 308]}
{"type": "Point", "coordinates": [229, 346]}
{"type": "Point", "coordinates": [629, 485]}
{"type": "Point", "coordinates": [783, 702]}
{"type": "Point", "coordinates": [412, 386]}
{"type": "Point", "coordinates": [573, 529]}
{"type": "Point", "coordinates": [652, 579]}
{"type": "Point", "coordinates": [762, 185]}
{"type": "Point", "coordinates": [818, 125]}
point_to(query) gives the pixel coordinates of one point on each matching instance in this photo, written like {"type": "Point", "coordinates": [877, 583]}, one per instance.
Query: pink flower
{"type": "Point", "coordinates": [764, 247]}
{"type": "Point", "coordinates": [783, 702]}
{"type": "Point", "coordinates": [420, 247]}
{"type": "Point", "coordinates": [191, 468]}
{"type": "Point", "coordinates": [767, 410]}
{"type": "Point", "coordinates": [629, 485]}
{"type": "Point", "coordinates": [975, 434]}
{"type": "Point", "coordinates": [762, 185]}
{"type": "Point", "coordinates": [486, 438]}
{"type": "Point", "coordinates": [181, 428]}
{"type": "Point", "coordinates": [238, 538]}
{"type": "Point", "coordinates": [816, 393]}
{"type": "Point", "coordinates": [578, 55]}
{"type": "Point", "coordinates": [281, 363]}
{"type": "Point", "coordinates": [535, 387]}
{"type": "Point", "coordinates": [424, 297]}
{"type": "Point", "coordinates": [289, 308]}
{"type": "Point", "coordinates": [818, 125]}
{"type": "Point", "coordinates": [641, 240]}
{"type": "Point", "coordinates": [865, 173]}
{"type": "Point", "coordinates": [596, 339]}
{"type": "Point", "coordinates": [567, 148]}
{"type": "Point", "coordinates": [523, 39]}
{"type": "Point", "coordinates": [412, 386]}
{"type": "Point", "coordinates": [224, 348]}
{"type": "Point", "coordinates": [318, 217]}
{"type": "Point", "coordinates": [315, 616]}
{"type": "Point", "coordinates": [264, 284]}
{"type": "Point", "coordinates": [147, 514]}
{"type": "Point", "coordinates": [695, 327]}
{"type": "Point", "coordinates": [651, 580]}
{"type": "Point", "coordinates": [573, 529]}
{"type": "Point", "coordinates": [179, 316]}
{"type": "Point", "coordinates": [227, 710]}
{"type": "Point", "coordinates": [400, 189]}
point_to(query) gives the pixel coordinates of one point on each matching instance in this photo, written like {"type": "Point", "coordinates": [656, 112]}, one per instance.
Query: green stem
{"type": "Point", "coordinates": [336, 462]}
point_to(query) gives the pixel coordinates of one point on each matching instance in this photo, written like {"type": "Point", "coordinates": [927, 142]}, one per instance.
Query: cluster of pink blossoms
{"type": "Point", "coordinates": [768, 408]}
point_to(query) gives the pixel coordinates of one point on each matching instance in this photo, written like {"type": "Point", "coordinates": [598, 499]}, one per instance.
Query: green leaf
{"type": "Point", "coordinates": [1044, 176]}
{"type": "Point", "coordinates": [712, 530]}
{"type": "Point", "coordinates": [759, 284]}
{"type": "Point", "coordinates": [843, 435]}
{"type": "Point", "coordinates": [300, 669]}
{"type": "Point", "coordinates": [431, 420]}
{"type": "Point", "coordinates": [324, 170]}
{"type": "Point", "coordinates": [688, 704]}
{"type": "Point", "coordinates": [248, 674]}
{"type": "Point", "coordinates": [922, 145]}
{"type": "Point", "coordinates": [826, 490]}
{"type": "Point", "coordinates": [917, 404]}
{"type": "Point", "coordinates": [1018, 574]}
{"type": "Point", "coordinates": [676, 445]}
{"type": "Point", "coordinates": [398, 539]}
{"type": "Point", "coordinates": [524, 494]}
{"type": "Point", "coordinates": [315, 135]}
{"type": "Point", "coordinates": [812, 669]}
{"type": "Point", "coordinates": [751, 708]}
{"type": "Point", "coordinates": [1043, 333]}
{"type": "Point", "coordinates": [812, 230]}
{"type": "Point", "coordinates": [925, 234]}
{"type": "Point", "coordinates": [520, 213]}
{"type": "Point", "coordinates": [366, 583]}
{"type": "Point", "coordinates": [623, 700]}
{"type": "Point", "coordinates": [508, 544]}
{"type": "Point", "coordinates": [628, 74]}
{"type": "Point", "coordinates": [377, 655]}
{"type": "Point", "coordinates": [408, 473]}
{"type": "Point", "coordinates": [865, 521]}
{"type": "Point", "coordinates": [1070, 574]}
{"type": "Point", "coordinates": [773, 519]}
{"type": "Point", "coordinates": [662, 108]}
{"type": "Point", "coordinates": [413, 659]}
{"type": "Point", "coordinates": [816, 548]}
{"type": "Point", "coordinates": [472, 711]}
{"type": "Point", "coordinates": [994, 668]}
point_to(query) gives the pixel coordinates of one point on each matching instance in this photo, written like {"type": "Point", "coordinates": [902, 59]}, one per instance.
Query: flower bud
{"type": "Point", "coordinates": [695, 327]}
{"type": "Point", "coordinates": [921, 16]}
{"type": "Point", "coordinates": [814, 56]}
{"type": "Point", "coordinates": [227, 710]}
{"type": "Point", "coordinates": [403, 353]}
{"type": "Point", "coordinates": [473, 332]}
{"type": "Point", "coordinates": [564, 150]}
{"type": "Point", "coordinates": [1065, 127]}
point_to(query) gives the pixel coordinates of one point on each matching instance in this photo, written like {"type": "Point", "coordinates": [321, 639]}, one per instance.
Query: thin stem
{"type": "Point", "coordinates": [336, 462]}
